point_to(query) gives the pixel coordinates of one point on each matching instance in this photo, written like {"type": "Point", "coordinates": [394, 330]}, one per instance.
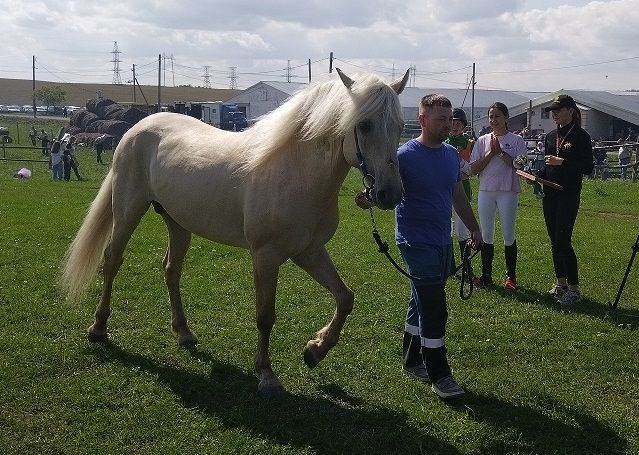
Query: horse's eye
{"type": "Point", "coordinates": [366, 126]}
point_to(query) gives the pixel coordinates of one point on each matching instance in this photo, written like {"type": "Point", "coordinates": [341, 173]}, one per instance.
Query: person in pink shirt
{"type": "Point", "coordinates": [499, 187]}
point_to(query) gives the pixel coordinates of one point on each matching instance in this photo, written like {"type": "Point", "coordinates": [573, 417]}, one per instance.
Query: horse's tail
{"type": "Point", "coordinates": [83, 257]}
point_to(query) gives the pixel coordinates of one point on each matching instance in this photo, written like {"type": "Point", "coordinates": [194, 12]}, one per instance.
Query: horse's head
{"type": "Point", "coordinates": [378, 126]}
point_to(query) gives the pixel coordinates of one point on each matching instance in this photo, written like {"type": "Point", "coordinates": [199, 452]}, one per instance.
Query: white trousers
{"type": "Point", "coordinates": [488, 203]}
{"type": "Point", "coordinates": [461, 231]}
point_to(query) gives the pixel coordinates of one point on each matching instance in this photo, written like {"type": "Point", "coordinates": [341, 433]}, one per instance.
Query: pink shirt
{"type": "Point", "coordinates": [497, 175]}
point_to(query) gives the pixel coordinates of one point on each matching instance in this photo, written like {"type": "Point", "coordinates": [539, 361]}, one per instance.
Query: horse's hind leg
{"type": "Point", "coordinates": [124, 223]}
{"type": "Point", "coordinates": [179, 242]}
{"type": "Point", "coordinates": [318, 264]}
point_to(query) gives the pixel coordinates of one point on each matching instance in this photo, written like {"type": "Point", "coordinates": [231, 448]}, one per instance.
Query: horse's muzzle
{"type": "Point", "coordinates": [387, 199]}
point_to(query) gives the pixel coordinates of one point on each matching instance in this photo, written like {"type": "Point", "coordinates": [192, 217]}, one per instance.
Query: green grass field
{"type": "Point", "coordinates": [540, 379]}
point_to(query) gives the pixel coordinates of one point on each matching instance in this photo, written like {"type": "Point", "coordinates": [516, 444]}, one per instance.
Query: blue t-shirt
{"type": "Point", "coordinates": [429, 176]}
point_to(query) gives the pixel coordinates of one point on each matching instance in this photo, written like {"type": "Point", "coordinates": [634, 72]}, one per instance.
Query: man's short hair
{"type": "Point", "coordinates": [433, 99]}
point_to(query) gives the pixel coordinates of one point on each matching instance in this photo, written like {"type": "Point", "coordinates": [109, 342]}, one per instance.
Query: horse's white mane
{"type": "Point", "coordinates": [325, 110]}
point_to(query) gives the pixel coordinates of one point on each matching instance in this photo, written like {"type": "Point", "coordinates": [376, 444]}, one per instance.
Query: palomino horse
{"type": "Point", "coordinates": [272, 189]}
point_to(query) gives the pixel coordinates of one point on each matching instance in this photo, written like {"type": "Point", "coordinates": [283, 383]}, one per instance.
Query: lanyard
{"type": "Point", "coordinates": [558, 143]}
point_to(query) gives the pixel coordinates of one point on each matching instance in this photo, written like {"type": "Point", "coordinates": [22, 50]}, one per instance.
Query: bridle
{"type": "Point", "coordinates": [368, 180]}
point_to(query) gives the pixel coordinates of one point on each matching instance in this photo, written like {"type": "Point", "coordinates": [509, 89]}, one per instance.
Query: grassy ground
{"type": "Point", "coordinates": [540, 379]}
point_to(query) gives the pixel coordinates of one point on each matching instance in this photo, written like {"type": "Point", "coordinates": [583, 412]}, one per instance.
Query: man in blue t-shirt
{"type": "Point", "coordinates": [430, 172]}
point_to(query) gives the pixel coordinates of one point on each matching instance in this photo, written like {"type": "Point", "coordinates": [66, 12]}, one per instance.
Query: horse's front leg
{"type": "Point", "coordinates": [265, 271]}
{"type": "Point", "coordinates": [318, 264]}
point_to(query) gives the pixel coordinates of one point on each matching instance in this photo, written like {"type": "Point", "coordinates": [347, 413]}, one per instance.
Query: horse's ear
{"type": "Point", "coordinates": [400, 84]}
{"type": "Point", "coordinates": [348, 82]}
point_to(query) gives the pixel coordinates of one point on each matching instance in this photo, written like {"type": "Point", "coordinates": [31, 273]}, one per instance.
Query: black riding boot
{"type": "Point", "coordinates": [487, 254]}
{"type": "Point", "coordinates": [511, 260]}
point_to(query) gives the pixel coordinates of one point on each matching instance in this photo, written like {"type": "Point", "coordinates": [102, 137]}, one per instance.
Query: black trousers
{"type": "Point", "coordinates": [560, 213]}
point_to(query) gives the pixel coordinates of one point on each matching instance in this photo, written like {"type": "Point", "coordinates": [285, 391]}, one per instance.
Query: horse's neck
{"type": "Point", "coordinates": [322, 166]}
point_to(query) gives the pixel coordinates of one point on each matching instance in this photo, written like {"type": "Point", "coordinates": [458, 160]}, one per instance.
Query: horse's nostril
{"type": "Point", "coordinates": [381, 196]}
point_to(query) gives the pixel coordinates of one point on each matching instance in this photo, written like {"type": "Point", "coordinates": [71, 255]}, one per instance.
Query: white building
{"type": "Point", "coordinates": [604, 114]}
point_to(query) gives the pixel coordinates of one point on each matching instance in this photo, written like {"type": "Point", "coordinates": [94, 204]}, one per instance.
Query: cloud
{"type": "Point", "coordinates": [442, 38]}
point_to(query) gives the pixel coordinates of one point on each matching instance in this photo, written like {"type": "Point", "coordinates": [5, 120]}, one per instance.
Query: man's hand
{"type": "Point", "coordinates": [476, 240]}
{"type": "Point", "coordinates": [362, 201]}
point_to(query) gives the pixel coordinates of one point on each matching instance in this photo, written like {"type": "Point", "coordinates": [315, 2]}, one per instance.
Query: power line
{"type": "Point", "coordinates": [561, 67]}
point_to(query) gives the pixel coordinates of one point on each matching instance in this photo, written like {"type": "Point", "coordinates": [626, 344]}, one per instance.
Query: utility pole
{"type": "Point", "coordinates": [309, 70]}
{"type": "Point", "coordinates": [472, 103]}
{"type": "Point", "coordinates": [33, 80]}
{"type": "Point", "coordinates": [288, 71]}
{"type": "Point", "coordinates": [330, 63]}
{"type": "Point", "coordinates": [134, 83]}
{"type": "Point", "coordinates": [159, 82]}
{"type": "Point", "coordinates": [172, 71]}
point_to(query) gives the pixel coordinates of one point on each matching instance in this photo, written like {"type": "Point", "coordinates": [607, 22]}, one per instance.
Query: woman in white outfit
{"type": "Point", "coordinates": [499, 188]}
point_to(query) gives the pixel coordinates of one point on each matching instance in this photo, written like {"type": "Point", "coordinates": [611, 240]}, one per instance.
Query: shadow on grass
{"type": "Point", "coordinates": [600, 310]}
{"type": "Point", "coordinates": [552, 428]}
{"type": "Point", "coordinates": [333, 423]}
{"type": "Point", "coordinates": [337, 422]}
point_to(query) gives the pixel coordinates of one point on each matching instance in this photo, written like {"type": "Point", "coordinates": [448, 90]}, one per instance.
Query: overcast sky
{"type": "Point", "coordinates": [530, 45]}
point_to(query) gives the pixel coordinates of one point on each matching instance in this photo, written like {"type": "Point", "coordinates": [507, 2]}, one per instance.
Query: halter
{"type": "Point", "coordinates": [369, 183]}
{"type": "Point", "coordinates": [368, 180]}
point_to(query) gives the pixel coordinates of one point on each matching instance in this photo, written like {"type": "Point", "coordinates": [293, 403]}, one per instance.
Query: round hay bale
{"type": "Point", "coordinates": [132, 115]}
{"type": "Point", "coordinates": [96, 104]}
{"type": "Point", "coordinates": [112, 127]}
{"type": "Point", "coordinates": [112, 111]}
{"type": "Point", "coordinates": [116, 128]}
{"type": "Point", "coordinates": [102, 107]}
{"type": "Point", "coordinates": [95, 126]}
{"type": "Point", "coordinates": [82, 119]}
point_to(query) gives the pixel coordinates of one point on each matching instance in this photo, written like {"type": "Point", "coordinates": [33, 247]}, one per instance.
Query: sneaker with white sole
{"type": "Point", "coordinates": [447, 387]}
{"type": "Point", "coordinates": [571, 298]}
{"type": "Point", "coordinates": [417, 372]}
{"type": "Point", "coordinates": [558, 290]}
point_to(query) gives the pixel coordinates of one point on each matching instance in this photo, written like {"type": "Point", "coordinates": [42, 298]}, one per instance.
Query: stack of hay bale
{"type": "Point", "coordinates": [103, 116]}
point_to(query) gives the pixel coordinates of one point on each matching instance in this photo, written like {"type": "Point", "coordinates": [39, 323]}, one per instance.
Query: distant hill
{"type": "Point", "coordinates": [20, 92]}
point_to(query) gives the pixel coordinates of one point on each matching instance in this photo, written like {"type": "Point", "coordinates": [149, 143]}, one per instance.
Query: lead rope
{"type": "Point", "coordinates": [369, 182]}
{"type": "Point", "coordinates": [466, 269]}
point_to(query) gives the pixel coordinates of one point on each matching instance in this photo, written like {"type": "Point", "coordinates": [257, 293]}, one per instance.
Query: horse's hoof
{"type": "Point", "coordinates": [187, 341]}
{"type": "Point", "coordinates": [270, 389]}
{"type": "Point", "coordinates": [97, 337]}
{"type": "Point", "coordinates": [309, 357]}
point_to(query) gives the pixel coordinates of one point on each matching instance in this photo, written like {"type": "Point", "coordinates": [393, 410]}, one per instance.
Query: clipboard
{"type": "Point", "coordinates": [534, 178]}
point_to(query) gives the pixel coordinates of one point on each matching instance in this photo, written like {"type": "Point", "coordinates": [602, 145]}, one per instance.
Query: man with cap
{"type": "Point", "coordinates": [568, 156]}
{"type": "Point", "coordinates": [464, 146]}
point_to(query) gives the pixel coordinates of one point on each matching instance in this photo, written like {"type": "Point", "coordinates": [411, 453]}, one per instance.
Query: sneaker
{"type": "Point", "coordinates": [558, 290]}
{"type": "Point", "coordinates": [447, 387]}
{"type": "Point", "coordinates": [417, 372]}
{"type": "Point", "coordinates": [510, 284]}
{"type": "Point", "coordinates": [571, 298]}
{"type": "Point", "coordinates": [482, 282]}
